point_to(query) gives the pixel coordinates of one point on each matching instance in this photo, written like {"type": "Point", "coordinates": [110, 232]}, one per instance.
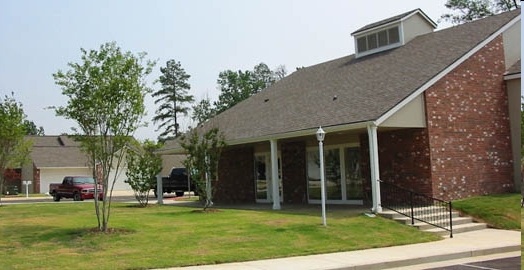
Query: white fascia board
{"type": "Point", "coordinates": [299, 133]}
{"type": "Point", "coordinates": [428, 19]}
{"type": "Point", "coordinates": [447, 70]}
{"type": "Point", "coordinates": [376, 28]}
{"type": "Point", "coordinates": [512, 76]}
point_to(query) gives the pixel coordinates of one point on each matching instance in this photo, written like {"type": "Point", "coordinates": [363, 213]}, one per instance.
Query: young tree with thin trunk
{"type": "Point", "coordinates": [143, 165]}
{"type": "Point", "coordinates": [203, 154]}
{"type": "Point", "coordinates": [173, 98]}
{"type": "Point", "coordinates": [106, 92]}
{"type": "Point", "coordinates": [12, 130]}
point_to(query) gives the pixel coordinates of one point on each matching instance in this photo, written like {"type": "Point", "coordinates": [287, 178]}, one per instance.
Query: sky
{"type": "Point", "coordinates": [38, 38]}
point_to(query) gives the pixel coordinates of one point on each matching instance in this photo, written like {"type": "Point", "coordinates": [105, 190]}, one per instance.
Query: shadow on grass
{"type": "Point", "coordinates": [33, 234]}
{"type": "Point", "coordinates": [332, 211]}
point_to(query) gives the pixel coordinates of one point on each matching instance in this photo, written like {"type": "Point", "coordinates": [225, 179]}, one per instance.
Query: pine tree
{"type": "Point", "coordinates": [173, 98]}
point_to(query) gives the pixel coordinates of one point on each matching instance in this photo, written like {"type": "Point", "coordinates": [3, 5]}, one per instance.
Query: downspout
{"type": "Point", "coordinates": [274, 175]}
{"type": "Point", "coordinates": [374, 167]}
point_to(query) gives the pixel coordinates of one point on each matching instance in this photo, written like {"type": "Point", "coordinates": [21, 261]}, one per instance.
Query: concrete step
{"type": "Point", "coordinates": [468, 227]}
{"type": "Point", "coordinates": [460, 223]}
{"type": "Point", "coordinates": [456, 221]}
{"type": "Point", "coordinates": [420, 211]}
{"type": "Point", "coordinates": [394, 215]}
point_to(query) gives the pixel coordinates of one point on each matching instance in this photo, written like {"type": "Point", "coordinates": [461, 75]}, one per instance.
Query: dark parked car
{"type": "Point", "coordinates": [178, 182]}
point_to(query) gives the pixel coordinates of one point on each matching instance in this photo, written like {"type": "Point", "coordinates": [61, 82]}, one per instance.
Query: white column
{"type": "Point", "coordinates": [159, 189]}
{"type": "Point", "coordinates": [374, 166]}
{"type": "Point", "coordinates": [322, 181]}
{"type": "Point", "coordinates": [274, 175]}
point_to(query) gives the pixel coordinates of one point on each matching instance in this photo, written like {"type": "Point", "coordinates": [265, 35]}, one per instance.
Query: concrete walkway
{"type": "Point", "coordinates": [461, 246]}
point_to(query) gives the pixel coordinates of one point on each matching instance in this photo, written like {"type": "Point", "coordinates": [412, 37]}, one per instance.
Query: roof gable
{"type": "Point", "coordinates": [397, 18]}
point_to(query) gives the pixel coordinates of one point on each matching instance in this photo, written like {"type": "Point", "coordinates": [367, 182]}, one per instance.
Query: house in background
{"type": "Point", "coordinates": [436, 112]}
{"type": "Point", "coordinates": [171, 161]}
{"type": "Point", "coordinates": [52, 158]}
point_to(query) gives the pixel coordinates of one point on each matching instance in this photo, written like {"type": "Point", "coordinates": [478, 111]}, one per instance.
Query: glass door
{"type": "Point", "coordinates": [342, 175]}
{"type": "Point", "coordinates": [263, 181]}
{"type": "Point", "coordinates": [354, 189]}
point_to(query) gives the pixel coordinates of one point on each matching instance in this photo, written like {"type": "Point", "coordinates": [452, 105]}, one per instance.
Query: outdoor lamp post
{"type": "Point", "coordinates": [321, 134]}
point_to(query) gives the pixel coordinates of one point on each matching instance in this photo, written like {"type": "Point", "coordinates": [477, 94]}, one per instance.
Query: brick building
{"type": "Point", "coordinates": [437, 112]}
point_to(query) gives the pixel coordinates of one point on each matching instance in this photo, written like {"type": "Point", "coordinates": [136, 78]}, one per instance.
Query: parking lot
{"type": "Point", "coordinates": [512, 263]}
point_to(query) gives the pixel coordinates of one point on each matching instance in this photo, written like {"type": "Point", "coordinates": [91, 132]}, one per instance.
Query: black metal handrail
{"type": "Point", "coordinates": [417, 206]}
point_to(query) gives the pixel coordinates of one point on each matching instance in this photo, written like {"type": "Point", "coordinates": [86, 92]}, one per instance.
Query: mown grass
{"type": "Point", "coordinates": [58, 235]}
{"type": "Point", "coordinates": [498, 211]}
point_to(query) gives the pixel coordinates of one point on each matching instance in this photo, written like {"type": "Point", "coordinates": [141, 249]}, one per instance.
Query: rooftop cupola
{"type": "Point", "coordinates": [392, 32]}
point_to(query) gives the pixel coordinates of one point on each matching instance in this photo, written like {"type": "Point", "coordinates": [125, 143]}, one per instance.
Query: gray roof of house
{"type": "Point", "coordinates": [56, 152]}
{"type": "Point", "coordinates": [365, 88]}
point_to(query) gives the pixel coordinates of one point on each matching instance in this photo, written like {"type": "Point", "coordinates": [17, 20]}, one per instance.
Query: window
{"type": "Point", "coordinates": [333, 181]}
{"type": "Point", "coordinates": [354, 189]}
{"type": "Point", "coordinates": [372, 42]}
{"type": "Point", "coordinates": [394, 37]}
{"type": "Point", "coordinates": [378, 39]}
{"type": "Point", "coordinates": [341, 171]}
{"type": "Point", "coordinates": [263, 181]}
{"type": "Point", "coordinates": [362, 44]}
{"type": "Point", "coordinates": [382, 38]}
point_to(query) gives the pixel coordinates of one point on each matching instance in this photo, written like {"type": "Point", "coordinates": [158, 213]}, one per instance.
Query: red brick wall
{"type": "Point", "coordinates": [403, 160]}
{"type": "Point", "coordinates": [236, 180]}
{"type": "Point", "coordinates": [468, 128]}
{"type": "Point", "coordinates": [294, 177]}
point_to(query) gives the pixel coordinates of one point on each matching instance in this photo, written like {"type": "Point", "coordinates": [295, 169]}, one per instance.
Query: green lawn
{"type": "Point", "coordinates": [57, 235]}
{"type": "Point", "coordinates": [498, 211]}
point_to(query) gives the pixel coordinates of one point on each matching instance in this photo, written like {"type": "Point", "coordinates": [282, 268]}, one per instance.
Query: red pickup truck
{"type": "Point", "coordinates": [76, 187]}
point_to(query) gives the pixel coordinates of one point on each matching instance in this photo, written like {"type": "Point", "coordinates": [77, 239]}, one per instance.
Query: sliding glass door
{"type": "Point", "coordinates": [263, 181]}
{"type": "Point", "coordinates": [342, 173]}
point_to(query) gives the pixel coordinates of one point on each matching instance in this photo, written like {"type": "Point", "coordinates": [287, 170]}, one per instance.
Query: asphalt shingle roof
{"type": "Point", "coordinates": [365, 88]}
{"type": "Point", "coordinates": [56, 151]}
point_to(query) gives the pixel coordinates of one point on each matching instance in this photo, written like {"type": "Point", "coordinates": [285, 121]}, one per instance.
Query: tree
{"type": "Point", "coordinates": [469, 10]}
{"type": "Point", "coordinates": [203, 111]}
{"type": "Point", "coordinates": [143, 165]}
{"type": "Point", "coordinates": [31, 129]}
{"type": "Point", "coordinates": [14, 148]}
{"type": "Point", "coordinates": [234, 87]}
{"type": "Point", "coordinates": [203, 154]}
{"type": "Point", "coordinates": [237, 86]}
{"type": "Point", "coordinates": [173, 98]}
{"type": "Point", "coordinates": [106, 94]}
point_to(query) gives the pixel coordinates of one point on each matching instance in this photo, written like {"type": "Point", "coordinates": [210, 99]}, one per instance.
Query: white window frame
{"type": "Point", "coordinates": [375, 32]}
{"type": "Point", "coordinates": [280, 173]}
{"type": "Point", "coordinates": [341, 152]}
